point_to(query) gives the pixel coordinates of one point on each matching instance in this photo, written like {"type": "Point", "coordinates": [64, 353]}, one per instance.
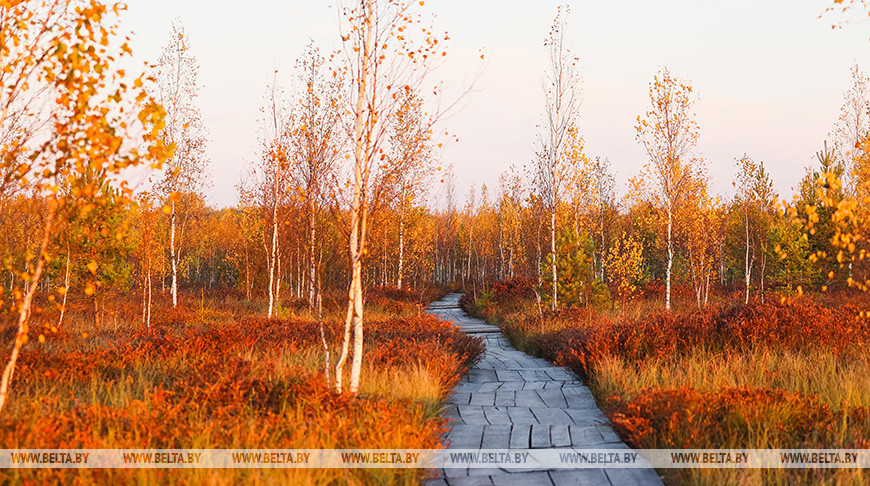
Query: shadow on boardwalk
{"type": "Point", "coordinates": [511, 400]}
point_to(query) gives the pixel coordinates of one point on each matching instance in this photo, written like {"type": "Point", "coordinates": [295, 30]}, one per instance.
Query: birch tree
{"type": "Point", "coordinates": [852, 127]}
{"type": "Point", "coordinates": [409, 164]}
{"type": "Point", "coordinates": [184, 174]}
{"type": "Point", "coordinates": [316, 143]}
{"type": "Point", "coordinates": [702, 229]}
{"type": "Point", "coordinates": [147, 251]}
{"type": "Point", "coordinates": [744, 183]}
{"type": "Point", "coordinates": [562, 103]}
{"type": "Point", "coordinates": [274, 170]}
{"type": "Point", "coordinates": [669, 135]}
{"type": "Point", "coordinates": [602, 189]}
{"type": "Point", "coordinates": [510, 209]}
{"type": "Point", "coordinates": [387, 48]}
{"type": "Point", "coordinates": [90, 124]}
{"type": "Point", "coordinates": [767, 201]}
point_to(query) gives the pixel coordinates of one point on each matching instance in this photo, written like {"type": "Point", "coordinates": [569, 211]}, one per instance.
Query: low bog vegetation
{"type": "Point", "coordinates": [772, 375]}
{"type": "Point", "coordinates": [208, 379]}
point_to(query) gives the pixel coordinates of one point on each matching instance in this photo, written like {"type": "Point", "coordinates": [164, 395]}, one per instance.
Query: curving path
{"type": "Point", "coordinates": [511, 400]}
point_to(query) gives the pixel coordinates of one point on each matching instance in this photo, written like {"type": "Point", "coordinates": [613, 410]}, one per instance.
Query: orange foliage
{"type": "Point", "coordinates": [687, 418]}
{"type": "Point", "coordinates": [228, 383]}
{"type": "Point", "coordinates": [800, 326]}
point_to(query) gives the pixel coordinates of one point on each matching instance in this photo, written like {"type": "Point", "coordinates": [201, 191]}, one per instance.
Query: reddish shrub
{"type": "Point", "coordinates": [688, 418]}
{"type": "Point", "coordinates": [801, 326]}
{"type": "Point", "coordinates": [517, 288]}
{"type": "Point", "coordinates": [396, 294]}
{"type": "Point", "coordinates": [395, 300]}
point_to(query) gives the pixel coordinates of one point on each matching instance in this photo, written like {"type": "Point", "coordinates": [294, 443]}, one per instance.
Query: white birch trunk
{"type": "Point", "coordinates": [670, 258]}
{"type": "Point", "coordinates": [401, 249]}
{"type": "Point", "coordinates": [555, 302]}
{"type": "Point", "coordinates": [354, 318]}
{"type": "Point", "coordinates": [274, 250]}
{"type": "Point", "coordinates": [174, 257]}
{"type": "Point", "coordinates": [747, 263]}
{"type": "Point", "coordinates": [312, 266]}
{"type": "Point", "coordinates": [148, 314]}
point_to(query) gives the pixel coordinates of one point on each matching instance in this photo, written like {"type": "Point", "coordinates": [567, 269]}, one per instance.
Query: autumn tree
{"type": "Point", "coordinates": [744, 183]}
{"type": "Point", "coordinates": [703, 229]}
{"type": "Point", "coordinates": [765, 202]}
{"type": "Point", "coordinates": [510, 207]}
{"type": "Point", "coordinates": [623, 265]}
{"type": "Point", "coordinates": [562, 103]}
{"type": "Point", "coordinates": [58, 55]}
{"type": "Point", "coordinates": [486, 243]}
{"type": "Point", "coordinates": [447, 246]}
{"type": "Point", "coordinates": [602, 190]}
{"type": "Point", "coordinates": [316, 142]}
{"type": "Point", "coordinates": [387, 49]}
{"type": "Point", "coordinates": [100, 235]}
{"type": "Point", "coordinates": [250, 229]}
{"type": "Point", "coordinates": [410, 163]}
{"type": "Point", "coordinates": [669, 134]}
{"type": "Point", "coordinates": [853, 125]}
{"type": "Point", "coordinates": [184, 175]}
{"type": "Point", "coordinates": [274, 167]}
{"type": "Point", "coordinates": [147, 250]}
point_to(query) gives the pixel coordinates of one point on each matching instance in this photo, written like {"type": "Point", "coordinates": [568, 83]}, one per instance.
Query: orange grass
{"type": "Point", "coordinates": [204, 379]}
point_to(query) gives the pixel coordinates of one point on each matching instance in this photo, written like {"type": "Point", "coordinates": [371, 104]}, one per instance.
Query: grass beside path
{"type": "Point", "coordinates": [211, 375]}
{"type": "Point", "coordinates": [776, 375]}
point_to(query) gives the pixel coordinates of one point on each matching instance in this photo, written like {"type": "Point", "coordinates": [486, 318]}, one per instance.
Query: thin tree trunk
{"type": "Point", "coordinates": [511, 267]}
{"type": "Point", "coordinates": [603, 252]}
{"type": "Point", "coordinates": [319, 308]}
{"type": "Point", "coordinates": [501, 263]}
{"type": "Point", "coordinates": [96, 310]}
{"type": "Point", "coordinates": [707, 291]}
{"type": "Point", "coordinates": [670, 258]}
{"type": "Point", "coordinates": [470, 251]}
{"type": "Point", "coordinates": [162, 271]}
{"type": "Point", "coordinates": [144, 298]}
{"type": "Point", "coordinates": [359, 211]}
{"type": "Point", "coordinates": [278, 276]}
{"type": "Point", "coordinates": [274, 251]}
{"type": "Point", "coordinates": [174, 256]}
{"type": "Point", "coordinates": [312, 268]}
{"type": "Point", "coordinates": [24, 310]}
{"type": "Point", "coordinates": [345, 342]}
{"type": "Point", "coordinates": [247, 273]}
{"type": "Point", "coordinates": [356, 363]}
{"type": "Point", "coordinates": [148, 316]}
{"type": "Point", "coordinates": [696, 279]}
{"type": "Point", "coordinates": [747, 264]}
{"type": "Point", "coordinates": [401, 248]}
{"type": "Point", "coordinates": [761, 276]}
{"type": "Point", "coordinates": [555, 302]}
{"type": "Point", "coordinates": [539, 257]}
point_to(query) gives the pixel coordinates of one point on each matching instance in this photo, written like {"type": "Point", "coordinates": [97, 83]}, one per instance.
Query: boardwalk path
{"type": "Point", "coordinates": [511, 400]}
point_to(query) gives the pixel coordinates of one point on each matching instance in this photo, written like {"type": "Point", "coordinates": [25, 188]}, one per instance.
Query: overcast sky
{"type": "Point", "coordinates": [769, 74]}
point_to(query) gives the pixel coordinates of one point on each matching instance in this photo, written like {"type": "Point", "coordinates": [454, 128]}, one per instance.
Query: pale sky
{"type": "Point", "coordinates": [769, 74]}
